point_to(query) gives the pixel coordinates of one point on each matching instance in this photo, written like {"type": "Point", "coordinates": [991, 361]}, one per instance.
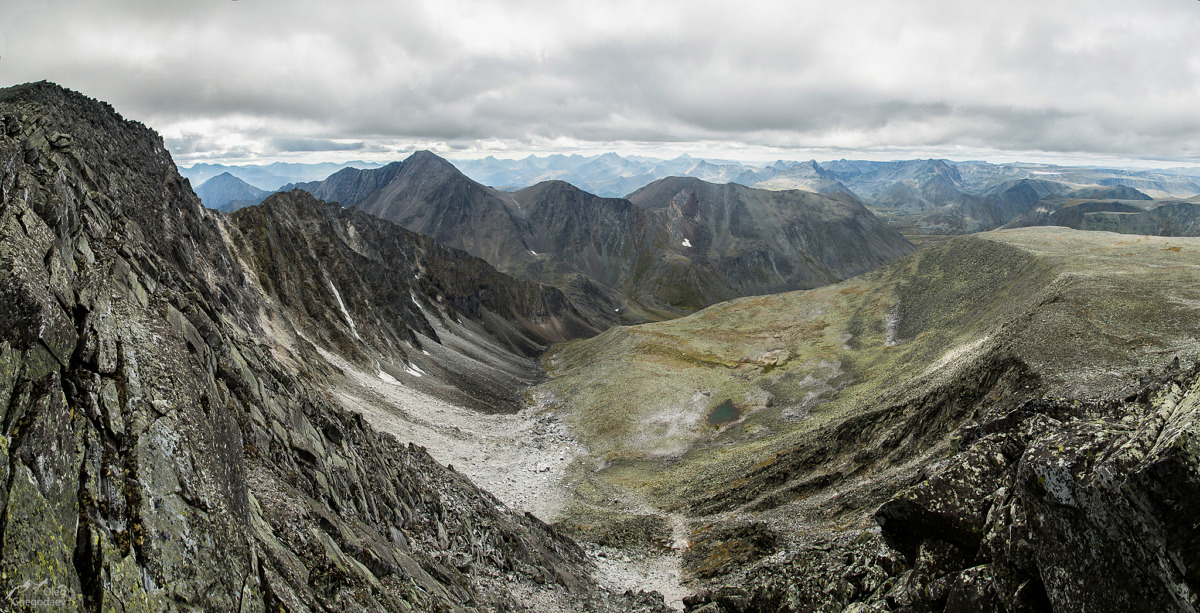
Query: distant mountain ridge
{"type": "Point", "coordinates": [917, 197]}
{"type": "Point", "coordinates": [272, 176]}
{"type": "Point", "coordinates": [623, 261]}
{"type": "Point", "coordinates": [226, 192]}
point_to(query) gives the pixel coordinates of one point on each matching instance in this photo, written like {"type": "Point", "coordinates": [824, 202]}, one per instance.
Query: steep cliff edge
{"type": "Point", "coordinates": [160, 451]}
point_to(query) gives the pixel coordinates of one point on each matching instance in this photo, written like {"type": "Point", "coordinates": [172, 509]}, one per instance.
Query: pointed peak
{"type": "Point", "coordinates": [427, 160]}
{"type": "Point", "coordinates": [424, 154]}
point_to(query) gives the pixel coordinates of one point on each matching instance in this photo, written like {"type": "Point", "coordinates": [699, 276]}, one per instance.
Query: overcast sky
{"type": "Point", "coordinates": [257, 80]}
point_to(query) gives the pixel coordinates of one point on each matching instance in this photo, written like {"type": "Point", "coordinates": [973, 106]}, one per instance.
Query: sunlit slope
{"type": "Point", "coordinates": [760, 401]}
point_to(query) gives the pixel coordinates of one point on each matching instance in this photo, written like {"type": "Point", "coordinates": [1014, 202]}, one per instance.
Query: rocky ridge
{"type": "Point", "coordinates": [1033, 506]}
{"type": "Point", "coordinates": [162, 450]}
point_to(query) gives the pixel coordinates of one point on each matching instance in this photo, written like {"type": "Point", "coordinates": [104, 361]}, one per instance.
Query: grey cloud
{"type": "Point", "coordinates": [256, 78]}
{"type": "Point", "coordinates": [313, 144]}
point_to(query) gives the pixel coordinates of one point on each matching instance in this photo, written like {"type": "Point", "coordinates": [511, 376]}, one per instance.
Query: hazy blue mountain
{"type": "Point", "coordinates": [609, 175]}
{"type": "Point", "coordinates": [270, 177]}
{"type": "Point", "coordinates": [226, 192]}
{"type": "Point", "coordinates": [1119, 209]}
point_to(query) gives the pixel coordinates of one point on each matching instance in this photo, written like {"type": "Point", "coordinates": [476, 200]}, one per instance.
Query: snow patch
{"type": "Point", "coordinates": [956, 355]}
{"type": "Point", "coordinates": [388, 378]}
{"type": "Point", "coordinates": [414, 371]}
{"type": "Point", "coordinates": [342, 306]}
{"type": "Point", "coordinates": [687, 243]}
{"type": "Point", "coordinates": [533, 252]}
{"type": "Point", "coordinates": [889, 324]}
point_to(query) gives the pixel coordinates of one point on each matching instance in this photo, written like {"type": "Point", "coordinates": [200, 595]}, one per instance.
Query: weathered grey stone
{"type": "Point", "coordinates": [60, 140]}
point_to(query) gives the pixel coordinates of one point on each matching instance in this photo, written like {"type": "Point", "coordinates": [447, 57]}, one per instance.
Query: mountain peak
{"type": "Point", "coordinates": [425, 155]}
{"type": "Point", "coordinates": [429, 162]}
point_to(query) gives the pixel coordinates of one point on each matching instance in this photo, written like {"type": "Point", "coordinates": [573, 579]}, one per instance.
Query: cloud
{"type": "Point", "coordinates": [313, 144]}
{"type": "Point", "coordinates": [262, 78]}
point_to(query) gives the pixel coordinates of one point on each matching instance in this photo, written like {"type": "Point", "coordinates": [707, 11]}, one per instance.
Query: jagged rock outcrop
{"type": "Point", "coordinates": [160, 451]}
{"type": "Point", "coordinates": [1054, 506]}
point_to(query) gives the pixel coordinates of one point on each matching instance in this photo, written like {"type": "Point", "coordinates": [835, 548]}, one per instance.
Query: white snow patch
{"type": "Point", "coordinates": [687, 243]}
{"type": "Point", "coordinates": [533, 252]}
{"type": "Point", "coordinates": [342, 306]}
{"type": "Point", "coordinates": [388, 378]}
{"type": "Point", "coordinates": [508, 455]}
{"type": "Point", "coordinates": [955, 354]}
{"type": "Point", "coordinates": [414, 371]}
{"type": "Point", "coordinates": [889, 323]}
{"type": "Point", "coordinates": [425, 352]}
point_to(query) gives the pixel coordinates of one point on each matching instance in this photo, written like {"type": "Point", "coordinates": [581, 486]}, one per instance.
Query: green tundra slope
{"type": "Point", "coordinates": [762, 421]}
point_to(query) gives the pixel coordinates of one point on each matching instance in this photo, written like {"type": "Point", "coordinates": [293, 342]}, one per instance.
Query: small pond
{"type": "Point", "coordinates": [724, 413]}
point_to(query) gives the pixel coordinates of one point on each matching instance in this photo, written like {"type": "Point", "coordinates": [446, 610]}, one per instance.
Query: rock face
{"type": "Point", "coordinates": [379, 293]}
{"type": "Point", "coordinates": [161, 450]}
{"type": "Point", "coordinates": [1053, 506]}
{"type": "Point", "coordinates": [764, 242]}
{"type": "Point", "coordinates": [226, 192]}
{"type": "Point", "coordinates": [625, 262]}
{"type": "Point", "coordinates": [1095, 210]}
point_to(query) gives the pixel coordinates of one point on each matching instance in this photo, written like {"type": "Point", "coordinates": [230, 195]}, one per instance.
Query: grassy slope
{"type": "Point", "coordinates": [1083, 313]}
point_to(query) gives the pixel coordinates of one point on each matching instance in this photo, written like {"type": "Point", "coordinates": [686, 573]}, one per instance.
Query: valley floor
{"type": "Point", "coordinates": [522, 459]}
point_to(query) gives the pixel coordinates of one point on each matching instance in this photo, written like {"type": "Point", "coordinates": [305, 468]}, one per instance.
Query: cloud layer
{"type": "Point", "coordinates": [252, 78]}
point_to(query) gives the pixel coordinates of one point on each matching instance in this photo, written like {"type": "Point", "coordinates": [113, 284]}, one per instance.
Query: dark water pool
{"type": "Point", "coordinates": [724, 413]}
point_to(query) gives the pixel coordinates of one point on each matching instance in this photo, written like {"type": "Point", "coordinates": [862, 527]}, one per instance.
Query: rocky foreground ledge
{"type": "Point", "coordinates": [1055, 506]}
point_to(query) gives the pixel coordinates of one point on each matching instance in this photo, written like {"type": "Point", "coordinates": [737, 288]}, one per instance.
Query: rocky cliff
{"type": "Point", "coordinates": [164, 449]}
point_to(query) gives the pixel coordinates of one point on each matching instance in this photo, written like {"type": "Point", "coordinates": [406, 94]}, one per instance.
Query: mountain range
{"type": "Point", "coordinates": [674, 246]}
{"type": "Point", "coordinates": [271, 176]}
{"type": "Point", "coordinates": [304, 405]}
{"type": "Point", "coordinates": [917, 197]}
{"type": "Point", "coordinates": [174, 434]}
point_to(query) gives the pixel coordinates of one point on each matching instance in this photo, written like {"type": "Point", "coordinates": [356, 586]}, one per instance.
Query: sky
{"type": "Point", "coordinates": [252, 81]}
